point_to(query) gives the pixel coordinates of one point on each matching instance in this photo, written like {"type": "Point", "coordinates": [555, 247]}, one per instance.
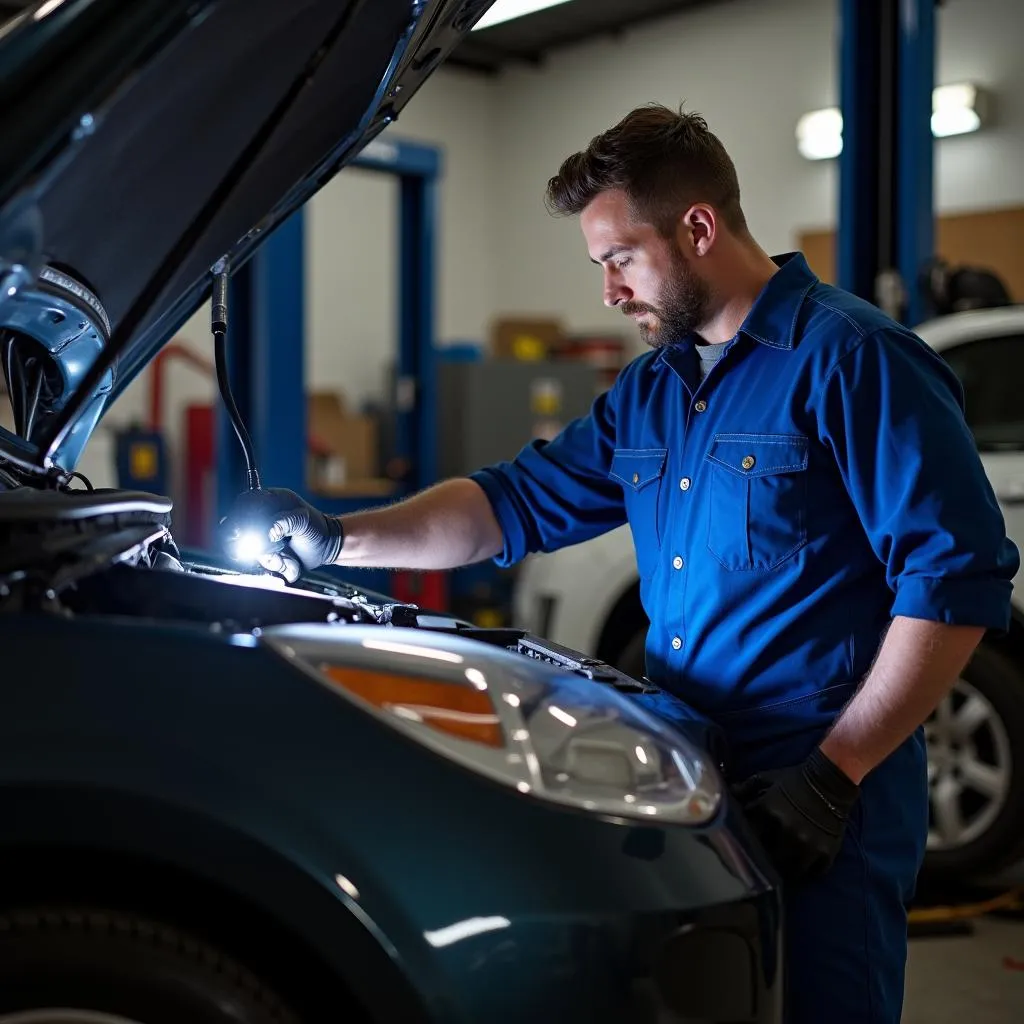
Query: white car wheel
{"type": "Point", "coordinates": [975, 743]}
{"type": "Point", "coordinates": [970, 767]}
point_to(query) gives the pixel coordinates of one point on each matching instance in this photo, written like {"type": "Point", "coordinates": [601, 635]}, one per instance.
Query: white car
{"type": "Point", "coordinates": [587, 598]}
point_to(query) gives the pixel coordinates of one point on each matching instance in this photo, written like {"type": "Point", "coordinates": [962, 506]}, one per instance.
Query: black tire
{"type": "Point", "coordinates": [125, 966]}
{"type": "Point", "coordinates": [633, 659]}
{"type": "Point", "coordinates": [1000, 682]}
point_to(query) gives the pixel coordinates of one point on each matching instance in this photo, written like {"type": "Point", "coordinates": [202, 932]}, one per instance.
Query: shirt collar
{"type": "Point", "coordinates": [772, 318]}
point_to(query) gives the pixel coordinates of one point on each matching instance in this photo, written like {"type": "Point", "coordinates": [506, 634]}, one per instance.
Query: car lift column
{"type": "Point", "coordinates": [886, 191]}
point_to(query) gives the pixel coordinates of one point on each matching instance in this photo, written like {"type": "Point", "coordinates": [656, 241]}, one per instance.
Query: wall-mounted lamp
{"type": "Point", "coordinates": [956, 109]}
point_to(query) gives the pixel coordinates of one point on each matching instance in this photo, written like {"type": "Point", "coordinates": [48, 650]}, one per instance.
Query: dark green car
{"type": "Point", "coordinates": [226, 799]}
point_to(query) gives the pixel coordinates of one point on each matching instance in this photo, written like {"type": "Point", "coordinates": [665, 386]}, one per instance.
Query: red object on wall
{"type": "Point", "coordinates": [174, 350]}
{"type": "Point", "coordinates": [428, 590]}
{"type": "Point", "coordinates": [197, 442]}
{"type": "Point", "coordinates": [200, 476]}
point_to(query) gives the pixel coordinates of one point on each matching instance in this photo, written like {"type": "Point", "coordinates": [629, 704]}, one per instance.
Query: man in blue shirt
{"type": "Point", "coordinates": [819, 549]}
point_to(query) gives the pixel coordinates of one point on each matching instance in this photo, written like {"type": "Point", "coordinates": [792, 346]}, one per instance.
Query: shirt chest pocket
{"type": "Point", "coordinates": [640, 472]}
{"type": "Point", "coordinates": [757, 499]}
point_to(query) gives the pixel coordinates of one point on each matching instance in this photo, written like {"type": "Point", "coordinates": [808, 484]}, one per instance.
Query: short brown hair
{"type": "Point", "coordinates": [662, 159]}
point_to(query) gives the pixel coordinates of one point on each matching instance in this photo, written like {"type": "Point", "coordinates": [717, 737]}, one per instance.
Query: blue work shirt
{"type": "Point", "coordinates": [820, 481]}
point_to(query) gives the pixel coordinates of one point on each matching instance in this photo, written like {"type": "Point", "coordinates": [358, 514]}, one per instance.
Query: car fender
{"type": "Point", "coordinates": [584, 582]}
{"type": "Point", "coordinates": [203, 728]}
{"type": "Point", "coordinates": [89, 842]}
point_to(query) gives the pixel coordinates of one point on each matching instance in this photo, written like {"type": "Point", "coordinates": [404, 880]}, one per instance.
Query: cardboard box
{"type": "Point", "coordinates": [526, 338]}
{"type": "Point", "coordinates": [343, 447]}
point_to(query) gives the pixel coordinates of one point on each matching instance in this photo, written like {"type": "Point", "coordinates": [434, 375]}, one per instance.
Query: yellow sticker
{"type": "Point", "coordinates": [143, 461]}
{"type": "Point", "coordinates": [528, 348]}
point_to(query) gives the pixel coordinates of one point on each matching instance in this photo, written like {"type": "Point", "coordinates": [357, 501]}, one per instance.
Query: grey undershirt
{"type": "Point", "coordinates": [709, 355]}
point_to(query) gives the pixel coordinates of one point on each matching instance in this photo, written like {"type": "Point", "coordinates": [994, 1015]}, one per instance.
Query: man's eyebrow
{"type": "Point", "coordinates": [605, 256]}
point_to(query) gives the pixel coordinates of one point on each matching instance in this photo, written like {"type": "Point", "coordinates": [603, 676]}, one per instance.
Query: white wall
{"type": "Point", "coordinates": [752, 67]}
{"type": "Point", "coordinates": [352, 241]}
{"type": "Point", "coordinates": [982, 41]}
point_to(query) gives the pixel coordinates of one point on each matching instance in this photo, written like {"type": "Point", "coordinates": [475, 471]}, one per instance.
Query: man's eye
{"type": "Point", "coordinates": [623, 263]}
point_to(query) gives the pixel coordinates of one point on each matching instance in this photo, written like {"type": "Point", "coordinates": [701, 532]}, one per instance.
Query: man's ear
{"type": "Point", "coordinates": [698, 228]}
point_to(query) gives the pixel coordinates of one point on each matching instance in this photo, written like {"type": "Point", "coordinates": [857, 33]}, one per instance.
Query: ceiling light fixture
{"type": "Point", "coordinates": [956, 109]}
{"type": "Point", "coordinates": [506, 10]}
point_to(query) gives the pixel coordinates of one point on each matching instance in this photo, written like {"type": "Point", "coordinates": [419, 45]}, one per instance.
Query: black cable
{"type": "Point", "coordinates": [219, 323]}
{"type": "Point", "coordinates": [85, 480]}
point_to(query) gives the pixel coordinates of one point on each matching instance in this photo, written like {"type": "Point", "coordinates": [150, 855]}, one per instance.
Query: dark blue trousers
{"type": "Point", "coordinates": [846, 933]}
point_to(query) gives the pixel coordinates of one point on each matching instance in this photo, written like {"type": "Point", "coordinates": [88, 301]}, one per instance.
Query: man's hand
{"type": "Point", "coordinates": [290, 537]}
{"type": "Point", "coordinates": [800, 814]}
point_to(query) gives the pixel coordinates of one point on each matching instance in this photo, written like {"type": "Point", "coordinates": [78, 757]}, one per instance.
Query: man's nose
{"type": "Point", "coordinates": [615, 291]}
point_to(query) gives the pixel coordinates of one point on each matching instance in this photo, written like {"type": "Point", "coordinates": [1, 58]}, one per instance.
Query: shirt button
{"type": "Point", "coordinates": [748, 462]}
{"type": "Point", "coordinates": [677, 562]}
{"type": "Point", "coordinates": [636, 478]}
{"type": "Point", "coordinates": [701, 406]}
{"type": "Point", "coordinates": [676, 643]}
{"type": "Point", "coordinates": [684, 484]}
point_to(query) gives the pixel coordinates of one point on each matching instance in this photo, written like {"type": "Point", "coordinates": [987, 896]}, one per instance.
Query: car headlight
{"type": "Point", "coordinates": [548, 733]}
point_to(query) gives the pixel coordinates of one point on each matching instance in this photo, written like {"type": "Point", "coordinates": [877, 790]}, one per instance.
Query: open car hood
{"type": "Point", "coordinates": [146, 141]}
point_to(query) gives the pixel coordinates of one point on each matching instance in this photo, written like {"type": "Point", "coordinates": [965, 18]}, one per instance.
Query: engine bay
{"type": "Point", "coordinates": [89, 552]}
{"type": "Point", "coordinates": [111, 554]}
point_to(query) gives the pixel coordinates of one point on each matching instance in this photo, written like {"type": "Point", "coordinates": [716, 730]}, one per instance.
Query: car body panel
{"type": "Point", "coordinates": [326, 797]}
{"type": "Point", "coordinates": [1005, 469]}
{"type": "Point", "coordinates": [603, 568]}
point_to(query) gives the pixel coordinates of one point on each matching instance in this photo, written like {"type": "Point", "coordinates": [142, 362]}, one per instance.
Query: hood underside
{"type": "Point", "coordinates": [145, 141]}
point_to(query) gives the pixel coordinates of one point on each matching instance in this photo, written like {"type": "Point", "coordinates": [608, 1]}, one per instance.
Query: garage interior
{"type": "Point", "coordinates": [422, 315]}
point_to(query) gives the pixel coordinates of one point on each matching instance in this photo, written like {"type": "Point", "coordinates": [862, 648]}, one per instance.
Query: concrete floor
{"type": "Point", "coordinates": [977, 979]}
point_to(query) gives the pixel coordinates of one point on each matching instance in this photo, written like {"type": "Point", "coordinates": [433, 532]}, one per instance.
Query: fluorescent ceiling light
{"type": "Point", "coordinates": [956, 110]}
{"type": "Point", "coordinates": [506, 10]}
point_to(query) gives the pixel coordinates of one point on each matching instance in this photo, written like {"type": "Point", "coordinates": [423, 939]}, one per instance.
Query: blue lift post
{"type": "Point", "coordinates": [886, 168]}
{"type": "Point", "coordinates": [266, 348]}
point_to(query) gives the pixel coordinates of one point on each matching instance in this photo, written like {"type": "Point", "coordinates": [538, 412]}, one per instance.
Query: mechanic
{"type": "Point", "coordinates": [819, 548]}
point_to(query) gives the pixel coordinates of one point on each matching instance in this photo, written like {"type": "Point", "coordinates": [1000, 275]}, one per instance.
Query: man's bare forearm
{"type": "Point", "coordinates": [444, 527]}
{"type": "Point", "coordinates": [918, 663]}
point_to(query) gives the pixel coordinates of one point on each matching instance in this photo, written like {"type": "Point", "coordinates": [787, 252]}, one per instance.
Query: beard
{"type": "Point", "coordinates": [683, 306]}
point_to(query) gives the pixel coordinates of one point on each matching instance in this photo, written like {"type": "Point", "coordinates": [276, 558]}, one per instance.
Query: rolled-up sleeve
{"type": "Point", "coordinates": [891, 411]}
{"type": "Point", "coordinates": [555, 493]}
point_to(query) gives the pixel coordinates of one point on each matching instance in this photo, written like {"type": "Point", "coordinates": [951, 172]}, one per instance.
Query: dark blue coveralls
{"type": "Point", "coordinates": [818, 482]}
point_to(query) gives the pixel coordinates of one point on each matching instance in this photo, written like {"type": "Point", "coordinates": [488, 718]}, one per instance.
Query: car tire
{"type": "Point", "coordinates": [68, 966]}
{"type": "Point", "coordinates": [976, 772]}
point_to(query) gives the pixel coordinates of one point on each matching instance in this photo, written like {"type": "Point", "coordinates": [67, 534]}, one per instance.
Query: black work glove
{"type": "Point", "coordinates": [293, 537]}
{"type": "Point", "coordinates": [800, 814]}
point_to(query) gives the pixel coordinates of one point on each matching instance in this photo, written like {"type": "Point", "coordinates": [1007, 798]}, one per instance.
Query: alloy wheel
{"type": "Point", "coordinates": [970, 766]}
